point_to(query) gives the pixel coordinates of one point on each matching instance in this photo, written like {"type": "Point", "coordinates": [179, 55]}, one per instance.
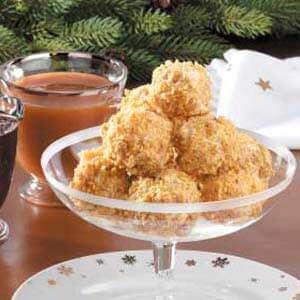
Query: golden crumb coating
{"type": "Point", "coordinates": [137, 97]}
{"type": "Point", "coordinates": [199, 141]}
{"type": "Point", "coordinates": [95, 175]}
{"type": "Point", "coordinates": [246, 213]}
{"type": "Point", "coordinates": [208, 145]}
{"type": "Point", "coordinates": [139, 141]}
{"type": "Point", "coordinates": [165, 145]}
{"type": "Point", "coordinates": [169, 186]}
{"type": "Point", "coordinates": [181, 89]}
{"type": "Point", "coordinates": [254, 156]}
{"type": "Point", "coordinates": [231, 184]}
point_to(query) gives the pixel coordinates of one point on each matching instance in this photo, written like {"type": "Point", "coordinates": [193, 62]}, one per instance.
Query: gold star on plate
{"type": "Point", "coordinates": [190, 262]}
{"type": "Point", "coordinates": [296, 297]}
{"type": "Point", "coordinates": [264, 84]}
{"type": "Point", "coordinates": [67, 271]}
{"type": "Point", "coordinates": [51, 282]}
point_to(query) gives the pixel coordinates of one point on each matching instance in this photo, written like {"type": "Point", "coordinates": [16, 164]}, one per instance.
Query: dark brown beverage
{"type": "Point", "coordinates": [8, 141]}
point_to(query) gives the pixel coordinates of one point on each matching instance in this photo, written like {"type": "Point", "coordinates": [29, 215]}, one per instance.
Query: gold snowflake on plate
{"type": "Point", "coordinates": [190, 262]}
{"type": "Point", "coordinates": [220, 262]}
{"type": "Point", "coordinates": [67, 271]}
{"type": "Point", "coordinates": [129, 259]}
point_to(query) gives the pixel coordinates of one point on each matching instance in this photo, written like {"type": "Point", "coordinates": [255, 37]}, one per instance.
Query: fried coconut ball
{"type": "Point", "coordinates": [139, 141]}
{"type": "Point", "coordinates": [233, 184]}
{"type": "Point", "coordinates": [181, 89]}
{"type": "Point", "coordinates": [170, 186]}
{"type": "Point", "coordinates": [95, 175]}
{"type": "Point", "coordinates": [139, 97]}
{"type": "Point", "coordinates": [208, 145]}
{"type": "Point", "coordinates": [254, 156]}
{"type": "Point", "coordinates": [199, 140]}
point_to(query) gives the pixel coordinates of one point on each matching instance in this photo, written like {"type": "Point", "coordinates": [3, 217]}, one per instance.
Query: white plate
{"type": "Point", "coordinates": [130, 275]}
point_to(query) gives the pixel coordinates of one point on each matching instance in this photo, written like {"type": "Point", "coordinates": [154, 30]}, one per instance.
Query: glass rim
{"type": "Point", "coordinates": [148, 207]}
{"type": "Point", "coordinates": [15, 121]}
{"type": "Point", "coordinates": [62, 54]}
{"type": "Point", "coordinates": [16, 110]}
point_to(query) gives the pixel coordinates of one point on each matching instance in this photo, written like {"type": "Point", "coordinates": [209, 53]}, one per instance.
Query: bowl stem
{"type": "Point", "coordinates": [164, 259]}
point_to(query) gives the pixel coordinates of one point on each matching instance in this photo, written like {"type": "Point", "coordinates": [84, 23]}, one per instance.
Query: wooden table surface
{"type": "Point", "coordinates": [41, 237]}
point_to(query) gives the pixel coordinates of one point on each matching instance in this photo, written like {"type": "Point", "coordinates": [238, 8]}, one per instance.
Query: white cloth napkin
{"type": "Point", "coordinates": [259, 92]}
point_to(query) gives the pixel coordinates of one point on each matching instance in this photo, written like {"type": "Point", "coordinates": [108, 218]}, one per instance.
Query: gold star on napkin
{"type": "Point", "coordinates": [264, 84]}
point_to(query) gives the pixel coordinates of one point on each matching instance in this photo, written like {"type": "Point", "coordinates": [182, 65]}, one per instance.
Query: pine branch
{"type": "Point", "coordinates": [45, 29]}
{"type": "Point", "coordinates": [27, 17]}
{"type": "Point", "coordinates": [243, 22]}
{"type": "Point", "coordinates": [41, 9]}
{"type": "Point", "coordinates": [149, 21]}
{"type": "Point", "coordinates": [190, 17]}
{"type": "Point", "coordinates": [103, 8]}
{"type": "Point", "coordinates": [52, 45]}
{"type": "Point", "coordinates": [191, 48]}
{"type": "Point", "coordinates": [54, 8]}
{"type": "Point", "coordinates": [93, 34]}
{"type": "Point", "coordinates": [11, 45]}
{"type": "Point", "coordinates": [141, 63]}
{"type": "Point", "coordinates": [285, 14]}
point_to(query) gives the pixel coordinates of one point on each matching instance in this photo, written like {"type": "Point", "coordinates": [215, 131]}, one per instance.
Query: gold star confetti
{"type": "Point", "coordinates": [264, 84]}
{"type": "Point", "coordinates": [65, 270]}
{"type": "Point", "coordinates": [190, 262]}
{"type": "Point", "coordinates": [52, 282]}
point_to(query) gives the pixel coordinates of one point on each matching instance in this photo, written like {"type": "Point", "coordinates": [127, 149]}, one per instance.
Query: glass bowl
{"type": "Point", "coordinates": [164, 224]}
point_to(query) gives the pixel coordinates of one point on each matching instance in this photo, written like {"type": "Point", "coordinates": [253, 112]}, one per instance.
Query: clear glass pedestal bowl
{"type": "Point", "coordinates": [164, 224]}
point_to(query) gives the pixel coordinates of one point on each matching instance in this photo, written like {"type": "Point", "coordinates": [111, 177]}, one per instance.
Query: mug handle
{"type": "Point", "coordinates": [15, 106]}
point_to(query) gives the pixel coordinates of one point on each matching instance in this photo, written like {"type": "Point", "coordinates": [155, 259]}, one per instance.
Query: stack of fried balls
{"type": "Point", "coordinates": [165, 145]}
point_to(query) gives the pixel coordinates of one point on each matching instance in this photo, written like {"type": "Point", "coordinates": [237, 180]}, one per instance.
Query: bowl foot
{"type": "Point", "coordinates": [37, 192]}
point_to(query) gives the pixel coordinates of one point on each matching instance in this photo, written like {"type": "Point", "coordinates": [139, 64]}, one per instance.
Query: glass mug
{"type": "Point", "coordinates": [62, 92]}
{"type": "Point", "coordinates": [11, 111]}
